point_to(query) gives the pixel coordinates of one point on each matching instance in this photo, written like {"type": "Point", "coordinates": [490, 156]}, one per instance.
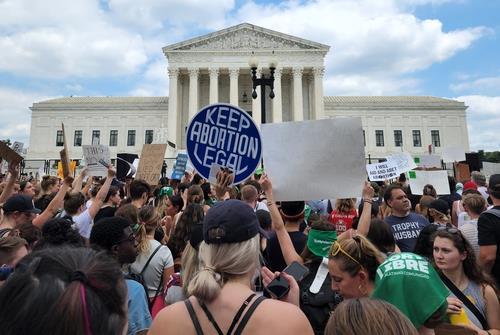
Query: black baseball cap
{"type": "Point", "coordinates": [230, 221]}
{"type": "Point", "coordinates": [440, 206]}
{"type": "Point", "coordinates": [20, 203]}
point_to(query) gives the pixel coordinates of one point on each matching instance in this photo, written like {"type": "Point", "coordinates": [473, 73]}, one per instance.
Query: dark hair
{"type": "Point", "coordinates": [9, 245]}
{"type": "Point", "coordinates": [47, 182]}
{"type": "Point", "coordinates": [177, 201]}
{"type": "Point", "coordinates": [94, 190]}
{"type": "Point", "coordinates": [206, 188]}
{"type": "Point", "coordinates": [195, 194]}
{"type": "Point", "coordinates": [107, 232]}
{"type": "Point", "coordinates": [254, 183]}
{"type": "Point", "coordinates": [73, 201]}
{"type": "Point", "coordinates": [137, 188]}
{"type": "Point", "coordinates": [381, 236]}
{"type": "Point", "coordinates": [182, 186]}
{"type": "Point", "coordinates": [43, 202]}
{"type": "Point", "coordinates": [429, 190]}
{"type": "Point", "coordinates": [62, 291]}
{"type": "Point", "coordinates": [265, 219]}
{"type": "Point", "coordinates": [113, 190]}
{"type": "Point", "coordinates": [193, 214]}
{"type": "Point", "coordinates": [30, 233]}
{"type": "Point", "coordinates": [196, 179]}
{"type": "Point", "coordinates": [388, 192]}
{"type": "Point", "coordinates": [470, 265]}
{"type": "Point", "coordinates": [425, 241]}
{"type": "Point", "coordinates": [59, 232]}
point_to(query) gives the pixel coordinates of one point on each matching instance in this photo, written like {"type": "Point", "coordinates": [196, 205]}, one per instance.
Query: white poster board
{"type": "Point", "coordinates": [453, 154]}
{"type": "Point", "coordinates": [403, 161]}
{"type": "Point", "coordinates": [92, 155]}
{"type": "Point", "coordinates": [490, 168]}
{"type": "Point", "coordinates": [438, 179]}
{"type": "Point", "coordinates": [18, 147]}
{"type": "Point", "coordinates": [382, 171]}
{"type": "Point", "coordinates": [312, 160]}
{"type": "Point", "coordinates": [428, 161]}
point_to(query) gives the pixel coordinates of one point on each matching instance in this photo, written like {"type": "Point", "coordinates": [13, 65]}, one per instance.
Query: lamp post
{"type": "Point", "coordinates": [262, 82]}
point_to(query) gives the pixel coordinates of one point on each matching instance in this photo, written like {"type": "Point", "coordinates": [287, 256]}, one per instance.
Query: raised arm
{"type": "Point", "coordinates": [366, 215]}
{"type": "Point", "coordinates": [286, 245]}
{"type": "Point", "coordinates": [13, 174]}
{"type": "Point", "coordinates": [55, 204]}
{"type": "Point", "coordinates": [101, 195]}
{"type": "Point", "coordinates": [77, 185]}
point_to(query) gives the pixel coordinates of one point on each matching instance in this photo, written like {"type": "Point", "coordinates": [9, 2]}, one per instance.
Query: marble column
{"type": "Point", "coordinates": [298, 112]}
{"type": "Point", "coordinates": [256, 112]}
{"type": "Point", "coordinates": [173, 119]}
{"type": "Point", "coordinates": [214, 85]}
{"type": "Point", "coordinates": [193, 92]}
{"type": "Point", "coordinates": [233, 86]}
{"type": "Point", "coordinates": [277, 102]}
{"type": "Point", "coordinates": [319, 109]}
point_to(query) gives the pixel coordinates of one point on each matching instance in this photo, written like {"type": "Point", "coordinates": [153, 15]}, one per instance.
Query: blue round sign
{"type": "Point", "coordinates": [226, 135]}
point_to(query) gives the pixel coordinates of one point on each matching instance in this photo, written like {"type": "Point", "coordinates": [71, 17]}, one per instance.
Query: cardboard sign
{"type": "Point", "coordinates": [18, 147]}
{"type": "Point", "coordinates": [179, 166]}
{"type": "Point", "coordinates": [92, 155]}
{"type": "Point", "coordinates": [382, 171]}
{"type": "Point", "coordinates": [438, 179]}
{"type": "Point", "coordinates": [226, 135]}
{"type": "Point", "coordinates": [428, 161]}
{"type": "Point", "coordinates": [8, 154]}
{"type": "Point", "coordinates": [328, 153]}
{"type": "Point", "coordinates": [64, 163]}
{"type": "Point", "coordinates": [453, 154]}
{"type": "Point", "coordinates": [60, 169]}
{"type": "Point", "coordinates": [403, 161]}
{"type": "Point", "coordinates": [150, 163]}
{"type": "Point", "coordinates": [462, 172]}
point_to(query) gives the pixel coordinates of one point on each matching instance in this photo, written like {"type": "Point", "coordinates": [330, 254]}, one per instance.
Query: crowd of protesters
{"type": "Point", "coordinates": [90, 255]}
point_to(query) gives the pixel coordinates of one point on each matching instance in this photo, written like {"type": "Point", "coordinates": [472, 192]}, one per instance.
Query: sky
{"type": "Point", "coordinates": [442, 48]}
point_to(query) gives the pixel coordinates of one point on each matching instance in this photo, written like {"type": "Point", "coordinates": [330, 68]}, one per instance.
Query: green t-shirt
{"type": "Point", "coordinates": [409, 282]}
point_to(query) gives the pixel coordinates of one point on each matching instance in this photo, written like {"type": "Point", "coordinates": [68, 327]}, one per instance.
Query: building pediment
{"type": "Point", "coordinates": [246, 37]}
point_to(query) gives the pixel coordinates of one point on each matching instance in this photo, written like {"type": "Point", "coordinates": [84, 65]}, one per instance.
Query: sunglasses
{"type": "Point", "coordinates": [450, 230]}
{"type": "Point", "coordinates": [336, 248]}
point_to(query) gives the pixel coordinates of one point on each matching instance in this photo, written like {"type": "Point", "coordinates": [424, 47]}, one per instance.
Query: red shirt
{"type": "Point", "coordinates": [342, 221]}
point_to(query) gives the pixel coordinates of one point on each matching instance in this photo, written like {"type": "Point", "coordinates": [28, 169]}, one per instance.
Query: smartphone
{"type": "Point", "coordinates": [279, 287]}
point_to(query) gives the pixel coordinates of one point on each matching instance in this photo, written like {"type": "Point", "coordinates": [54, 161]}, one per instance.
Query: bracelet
{"type": "Point", "coordinates": [370, 201]}
{"type": "Point", "coordinates": [270, 203]}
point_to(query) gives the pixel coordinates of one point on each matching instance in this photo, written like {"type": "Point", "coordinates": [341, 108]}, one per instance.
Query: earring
{"type": "Point", "coordinates": [362, 289]}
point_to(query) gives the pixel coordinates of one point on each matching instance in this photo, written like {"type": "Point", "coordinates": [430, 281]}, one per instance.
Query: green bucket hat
{"type": "Point", "coordinates": [320, 241]}
{"type": "Point", "coordinates": [409, 282]}
{"type": "Point", "coordinates": [166, 191]}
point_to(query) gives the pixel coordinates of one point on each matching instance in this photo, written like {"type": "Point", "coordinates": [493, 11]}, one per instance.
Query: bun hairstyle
{"type": "Point", "coordinates": [195, 195]}
{"type": "Point", "coordinates": [64, 291]}
{"type": "Point", "coordinates": [48, 182]}
{"type": "Point", "coordinates": [220, 262]}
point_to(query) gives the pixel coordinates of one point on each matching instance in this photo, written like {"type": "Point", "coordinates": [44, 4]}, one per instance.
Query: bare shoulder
{"type": "Point", "coordinates": [490, 294]}
{"type": "Point", "coordinates": [272, 311]}
{"type": "Point", "coordinates": [173, 319]}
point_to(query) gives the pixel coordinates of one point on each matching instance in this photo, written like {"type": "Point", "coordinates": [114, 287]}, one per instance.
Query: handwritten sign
{"type": "Point", "coordinates": [403, 161]}
{"type": "Point", "coordinates": [150, 163]}
{"type": "Point", "coordinates": [92, 155]}
{"type": "Point", "coordinates": [179, 166]}
{"type": "Point", "coordinates": [18, 147]}
{"type": "Point", "coordinates": [382, 171]}
{"type": "Point", "coordinates": [226, 135]}
{"type": "Point", "coordinates": [8, 154]}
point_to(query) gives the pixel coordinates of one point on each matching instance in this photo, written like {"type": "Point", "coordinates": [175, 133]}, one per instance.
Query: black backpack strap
{"type": "Point", "coordinates": [456, 291]}
{"type": "Point", "coordinates": [150, 258]}
{"type": "Point", "coordinates": [193, 317]}
{"type": "Point", "coordinates": [248, 314]}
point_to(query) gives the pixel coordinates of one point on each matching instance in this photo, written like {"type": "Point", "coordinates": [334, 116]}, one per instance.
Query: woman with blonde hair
{"type": "Point", "coordinates": [154, 262]}
{"type": "Point", "coordinates": [362, 316]}
{"type": "Point", "coordinates": [223, 287]}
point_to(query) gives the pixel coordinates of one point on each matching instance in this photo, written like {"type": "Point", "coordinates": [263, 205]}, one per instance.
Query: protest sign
{"type": "Point", "coordinates": [490, 168]}
{"type": "Point", "coordinates": [403, 161]}
{"type": "Point", "coordinates": [124, 166]}
{"type": "Point", "coordinates": [382, 171]}
{"type": "Point", "coordinates": [453, 154]}
{"type": "Point", "coordinates": [64, 163]}
{"type": "Point", "coordinates": [150, 163]}
{"type": "Point", "coordinates": [226, 135]}
{"type": "Point", "coordinates": [462, 172]}
{"type": "Point", "coordinates": [18, 147]}
{"type": "Point", "coordinates": [8, 154]}
{"type": "Point", "coordinates": [60, 169]}
{"type": "Point", "coordinates": [329, 153]}
{"type": "Point", "coordinates": [179, 166]}
{"type": "Point", "coordinates": [92, 155]}
{"type": "Point", "coordinates": [428, 161]}
{"type": "Point", "coordinates": [438, 179]}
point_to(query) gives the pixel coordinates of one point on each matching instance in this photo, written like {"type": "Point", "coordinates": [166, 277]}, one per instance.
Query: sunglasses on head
{"type": "Point", "coordinates": [450, 230]}
{"type": "Point", "coordinates": [336, 249]}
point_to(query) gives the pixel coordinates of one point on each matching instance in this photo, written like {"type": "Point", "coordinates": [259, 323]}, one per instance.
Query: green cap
{"type": "Point", "coordinates": [320, 241]}
{"type": "Point", "coordinates": [259, 171]}
{"type": "Point", "coordinates": [410, 283]}
{"type": "Point", "coordinates": [167, 190]}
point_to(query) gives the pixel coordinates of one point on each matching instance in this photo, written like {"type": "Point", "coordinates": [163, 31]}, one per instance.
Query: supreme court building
{"type": "Point", "coordinates": [215, 68]}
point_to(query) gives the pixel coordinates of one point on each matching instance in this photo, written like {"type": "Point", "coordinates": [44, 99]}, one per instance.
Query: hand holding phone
{"type": "Point", "coordinates": [280, 287]}
{"type": "Point", "coordinates": [103, 162]}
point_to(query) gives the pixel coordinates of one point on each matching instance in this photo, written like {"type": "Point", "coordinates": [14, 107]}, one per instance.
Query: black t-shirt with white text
{"type": "Point", "coordinates": [488, 230]}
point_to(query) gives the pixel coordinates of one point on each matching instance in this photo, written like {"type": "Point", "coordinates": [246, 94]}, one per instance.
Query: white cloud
{"type": "Point", "coordinates": [155, 81]}
{"type": "Point", "coordinates": [15, 113]}
{"type": "Point", "coordinates": [483, 119]}
{"type": "Point", "coordinates": [369, 85]}
{"type": "Point", "coordinates": [370, 39]}
{"type": "Point", "coordinates": [484, 85]}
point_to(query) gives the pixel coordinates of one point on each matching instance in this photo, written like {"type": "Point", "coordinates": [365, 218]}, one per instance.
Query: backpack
{"type": "Point", "coordinates": [317, 307]}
